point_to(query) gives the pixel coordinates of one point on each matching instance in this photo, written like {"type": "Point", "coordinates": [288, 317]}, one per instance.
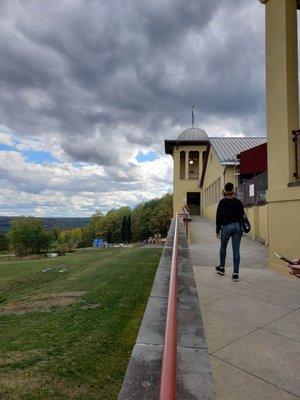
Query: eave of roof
{"type": "Point", "coordinates": [230, 162]}
{"type": "Point", "coordinates": [170, 144]}
{"type": "Point", "coordinates": [205, 165]}
{"type": "Point", "coordinates": [265, 2]}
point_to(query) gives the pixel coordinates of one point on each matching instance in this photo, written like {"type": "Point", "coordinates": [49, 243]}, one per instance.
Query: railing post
{"type": "Point", "coordinates": [186, 218]}
{"type": "Point", "coordinates": [186, 227]}
{"type": "Point", "coordinates": [296, 134]}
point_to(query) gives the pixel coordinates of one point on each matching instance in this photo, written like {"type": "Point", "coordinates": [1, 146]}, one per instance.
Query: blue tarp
{"type": "Point", "coordinates": [98, 243]}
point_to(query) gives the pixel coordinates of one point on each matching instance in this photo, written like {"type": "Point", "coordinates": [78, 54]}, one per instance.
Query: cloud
{"type": "Point", "coordinates": [67, 189]}
{"type": "Point", "coordinates": [99, 82]}
{"type": "Point", "coordinates": [6, 139]}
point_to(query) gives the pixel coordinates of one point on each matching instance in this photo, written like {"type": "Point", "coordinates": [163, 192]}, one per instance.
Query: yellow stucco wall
{"type": "Point", "coordinates": [263, 231]}
{"type": "Point", "coordinates": [180, 191]}
{"type": "Point", "coordinates": [282, 89]}
{"type": "Point", "coordinates": [182, 186]}
{"type": "Point", "coordinates": [229, 175]}
{"type": "Point", "coordinates": [284, 232]}
{"type": "Point", "coordinates": [251, 216]}
{"type": "Point", "coordinates": [282, 118]}
{"type": "Point", "coordinates": [258, 217]}
{"type": "Point", "coordinates": [210, 212]}
{"type": "Point", "coordinates": [214, 169]}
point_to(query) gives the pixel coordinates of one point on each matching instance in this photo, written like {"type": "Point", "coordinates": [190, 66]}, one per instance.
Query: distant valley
{"type": "Point", "coordinates": [49, 223]}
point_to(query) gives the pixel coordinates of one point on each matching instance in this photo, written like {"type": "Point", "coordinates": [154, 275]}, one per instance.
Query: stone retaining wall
{"type": "Point", "coordinates": [194, 378]}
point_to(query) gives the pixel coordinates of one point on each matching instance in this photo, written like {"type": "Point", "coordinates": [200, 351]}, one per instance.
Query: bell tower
{"type": "Point", "coordinates": [188, 152]}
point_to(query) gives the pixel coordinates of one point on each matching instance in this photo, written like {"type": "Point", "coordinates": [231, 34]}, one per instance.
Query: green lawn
{"type": "Point", "coordinates": [51, 350]}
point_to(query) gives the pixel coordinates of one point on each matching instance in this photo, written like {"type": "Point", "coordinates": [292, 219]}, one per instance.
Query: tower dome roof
{"type": "Point", "coordinates": [193, 134]}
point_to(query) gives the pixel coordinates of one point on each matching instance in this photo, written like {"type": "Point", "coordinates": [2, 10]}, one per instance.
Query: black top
{"type": "Point", "coordinates": [229, 210]}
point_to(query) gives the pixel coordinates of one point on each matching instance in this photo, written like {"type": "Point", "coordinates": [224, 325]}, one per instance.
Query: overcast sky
{"type": "Point", "coordinates": [91, 88]}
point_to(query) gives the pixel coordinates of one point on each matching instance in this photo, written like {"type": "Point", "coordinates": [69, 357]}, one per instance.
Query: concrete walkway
{"type": "Point", "coordinates": [252, 327]}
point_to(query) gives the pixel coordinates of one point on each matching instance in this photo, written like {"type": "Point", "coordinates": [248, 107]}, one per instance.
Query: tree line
{"type": "Point", "coordinates": [131, 225]}
{"type": "Point", "coordinates": [27, 234]}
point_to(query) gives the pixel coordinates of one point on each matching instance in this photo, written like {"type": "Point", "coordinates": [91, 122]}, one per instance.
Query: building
{"type": "Point", "coordinates": [282, 94]}
{"type": "Point", "coordinates": [253, 162]}
{"type": "Point", "coordinates": [202, 165]}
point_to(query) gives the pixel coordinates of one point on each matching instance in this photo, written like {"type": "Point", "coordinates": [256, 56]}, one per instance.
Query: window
{"type": "Point", "coordinates": [194, 165]}
{"type": "Point", "coordinates": [213, 192]}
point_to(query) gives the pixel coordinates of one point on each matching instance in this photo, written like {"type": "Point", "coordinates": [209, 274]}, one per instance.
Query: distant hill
{"type": "Point", "coordinates": [49, 223]}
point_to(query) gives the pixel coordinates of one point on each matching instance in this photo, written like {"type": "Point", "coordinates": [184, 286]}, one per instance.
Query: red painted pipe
{"type": "Point", "coordinates": [169, 361]}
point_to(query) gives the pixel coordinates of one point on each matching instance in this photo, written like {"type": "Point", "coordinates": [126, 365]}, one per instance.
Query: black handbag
{"type": "Point", "coordinates": [245, 223]}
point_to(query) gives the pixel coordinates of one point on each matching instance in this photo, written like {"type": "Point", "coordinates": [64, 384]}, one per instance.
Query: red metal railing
{"type": "Point", "coordinates": [169, 361]}
{"type": "Point", "coordinates": [296, 140]}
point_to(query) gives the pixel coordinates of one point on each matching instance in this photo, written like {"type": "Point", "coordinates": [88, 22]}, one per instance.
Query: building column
{"type": "Point", "coordinates": [282, 118]}
{"type": "Point", "coordinates": [282, 89]}
{"type": "Point", "coordinates": [200, 163]}
{"type": "Point", "coordinates": [187, 156]}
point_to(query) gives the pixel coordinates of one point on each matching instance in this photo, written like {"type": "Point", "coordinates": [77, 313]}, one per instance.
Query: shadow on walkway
{"type": "Point", "coordinates": [252, 327]}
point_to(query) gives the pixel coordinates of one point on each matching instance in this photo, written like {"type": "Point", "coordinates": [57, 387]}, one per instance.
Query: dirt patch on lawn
{"type": "Point", "coordinates": [29, 383]}
{"type": "Point", "coordinates": [14, 385]}
{"type": "Point", "coordinates": [13, 357]}
{"type": "Point", "coordinates": [44, 302]}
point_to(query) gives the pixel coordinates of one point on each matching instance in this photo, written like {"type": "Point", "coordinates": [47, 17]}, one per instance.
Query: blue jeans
{"type": "Point", "coordinates": [231, 231]}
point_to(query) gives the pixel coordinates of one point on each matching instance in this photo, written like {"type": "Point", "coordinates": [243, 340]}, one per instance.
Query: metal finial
{"type": "Point", "coordinates": [193, 116]}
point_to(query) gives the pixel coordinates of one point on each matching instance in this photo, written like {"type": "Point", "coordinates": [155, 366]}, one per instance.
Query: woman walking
{"type": "Point", "coordinates": [229, 213]}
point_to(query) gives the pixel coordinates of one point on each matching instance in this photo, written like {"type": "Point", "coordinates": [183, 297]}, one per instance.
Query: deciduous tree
{"type": "Point", "coordinates": [27, 235]}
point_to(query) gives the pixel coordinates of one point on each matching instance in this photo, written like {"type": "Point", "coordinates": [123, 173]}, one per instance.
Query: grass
{"type": "Point", "coordinates": [79, 351]}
